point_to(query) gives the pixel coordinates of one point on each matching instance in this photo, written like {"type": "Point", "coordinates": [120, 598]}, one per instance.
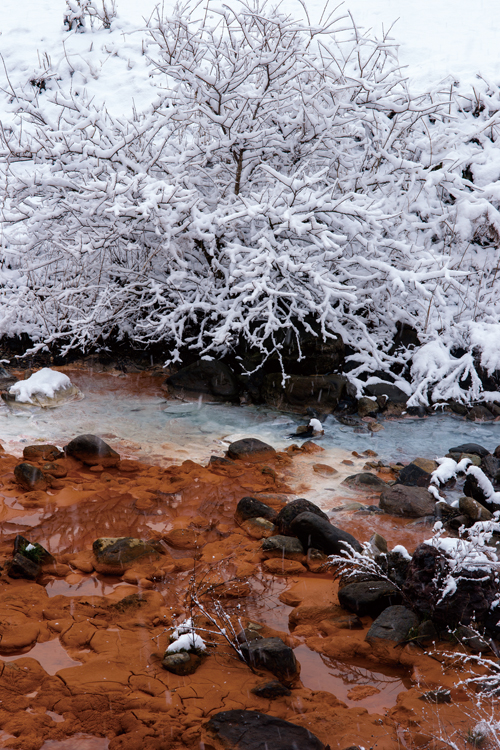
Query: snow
{"type": "Point", "coordinates": [44, 383]}
{"type": "Point", "coordinates": [187, 642]}
{"type": "Point", "coordinates": [316, 425]}
{"type": "Point", "coordinates": [401, 550]}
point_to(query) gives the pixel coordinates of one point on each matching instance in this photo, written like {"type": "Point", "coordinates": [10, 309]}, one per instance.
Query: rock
{"type": "Point", "coordinates": [91, 450]}
{"type": "Point", "coordinates": [181, 538]}
{"type": "Point", "coordinates": [365, 481]}
{"type": "Point", "coordinates": [426, 633]}
{"type": "Point", "coordinates": [23, 567]}
{"type": "Point", "coordinates": [369, 597]}
{"type": "Point", "coordinates": [120, 552]}
{"type": "Point", "coordinates": [317, 561]}
{"type": "Point", "coordinates": [271, 654]}
{"type": "Point", "coordinates": [473, 489]}
{"type": "Point", "coordinates": [250, 507]}
{"type": "Point", "coordinates": [304, 390]}
{"type": "Point", "coordinates": [394, 565]}
{"type": "Point", "coordinates": [471, 638]}
{"type": "Point", "coordinates": [387, 392]}
{"type": "Point", "coordinates": [414, 476]}
{"type": "Point", "coordinates": [378, 544]}
{"type": "Point", "coordinates": [45, 388]}
{"type": "Point", "coordinates": [279, 567]}
{"type": "Point", "coordinates": [247, 635]}
{"type": "Point", "coordinates": [41, 453]}
{"type": "Point", "coordinates": [271, 690]}
{"type": "Point", "coordinates": [314, 531]}
{"type": "Point", "coordinates": [55, 470]}
{"type": "Point", "coordinates": [32, 550]}
{"type": "Point", "coordinates": [346, 622]}
{"type": "Point", "coordinates": [258, 528]}
{"type": "Point", "coordinates": [250, 449]}
{"type": "Point", "coordinates": [491, 466]}
{"type": "Point", "coordinates": [251, 730]}
{"type": "Point", "coordinates": [324, 470]}
{"type": "Point", "coordinates": [367, 407]}
{"type": "Point", "coordinates": [410, 502]}
{"type": "Point", "coordinates": [207, 377]}
{"type": "Point", "coordinates": [441, 695]}
{"type": "Point", "coordinates": [375, 426]}
{"type": "Point", "coordinates": [218, 462]}
{"type": "Point", "coordinates": [393, 624]}
{"type": "Point", "coordinates": [480, 413]}
{"type": "Point", "coordinates": [293, 509]}
{"type": "Point", "coordinates": [470, 448]}
{"type": "Point", "coordinates": [287, 547]}
{"type": "Point", "coordinates": [474, 510]}
{"type": "Point", "coordinates": [426, 464]}
{"type": "Point", "coordinates": [475, 591]}
{"type": "Point", "coordinates": [181, 663]}
{"type": "Point", "coordinates": [30, 477]}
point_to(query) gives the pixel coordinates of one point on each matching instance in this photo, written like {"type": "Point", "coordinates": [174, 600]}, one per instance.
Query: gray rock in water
{"type": "Point", "coordinates": [272, 654]}
{"type": "Point", "coordinates": [288, 547]}
{"type": "Point", "coordinates": [251, 730]}
{"type": "Point", "coordinates": [410, 502]}
{"type": "Point", "coordinates": [30, 477]}
{"type": "Point", "coordinates": [470, 448]}
{"type": "Point", "coordinates": [368, 597]}
{"type": "Point", "coordinates": [293, 509]}
{"type": "Point", "coordinates": [250, 449]}
{"type": "Point", "coordinates": [367, 407]}
{"type": "Point", "coordinates": [118, 551]}
{"type": "Point", "coordinates": [314, 531]}
{"type": "Point", "coordinates": [393, 624]}
{"type": "Point", "coordinates": [365, 481]}
{"type": "Point", "coordinates": [92, 451]}
{"type": "Point", "coordinates": [250, 507]}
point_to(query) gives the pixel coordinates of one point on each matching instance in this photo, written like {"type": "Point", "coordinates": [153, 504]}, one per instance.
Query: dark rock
{"type": "Point", "coordinates": [365, 481]}
{"type": "Point", "coordinates": [182, 663]}
{"type": "Point", "coordinates": [206, 376]}
{"type": "Point", "coordinates": [457, 522]}
{"type": "Point", "coordinates": [428, 571]}
{"type": "Point", "coordinates": [91, 450]}
{"type": "Point", "coordinates": [388, 392]}
{"type": "Point", "coordinates": [300, 390]}
{"type": "Point", "coordinates": [272, 654]}
{"type": "Point", "coordinates": [410, 502]}
{"type": "Point", "coordinates": [458, 408]}
{"type": "Point", "coordinates": [492, 622]}
{"type": "Point", "coordinates": [41, 453]}
{"type": "Point", "coordinates": [314, 531]}
{"type": "Point", "coordinates": [491, 466]}
{"type": "Point", "coordinates": [119, 551]}
{"type": "Point", "coordinates": [271, 690]}
{"type": "Point", "coordinates": [496, 452]}
{"type": "Point", "coordinates": [250, 507]}
{"type": "Point", "coordinates": [30, 477]}
{"type": "Point", "coordinates": [348, 622]}
{"type": "Point", "coordinates": [247, 635]}
{"type": "Point", "coordinates": [395, 566]}
{"type": "Point", "coordinates": [473, 489]}
{"type": "Point", "coordinates": [480, 413]}
{"type": "Point", "coordinates": [470, 448]}
{"type": "Point", "coordinates": [393, 624]}
{"type": "Point", "coordinates": [32, 550]}
{"type": "Point", "coordinates": [426, 633]}
{"type": "Point", "coordinates": [367, 407]}
{"type": "Point", "coordinates": [413, 476]}
{"type": "Point", "coordinates": [369, 597]}
{"type": "Point", "coordinates": [251, 730]}
{"type": "Point", "coordinates": [250, 449]}
{"type": "Point", "coordinates": [293, 509]}
{"type": "Point", "coordinates": [474, 510]}
{"type": "Point", "coordinates": [220, 462]}
{"type": "Point", "coordinates": [441, 695]}
{"type": "Point", "coordinates": [288, 547]}
{"type": "Point", "coordinates": [349, 421]}
{"type": "Point", "coordinates": [471, 638]}
{"type": "Point", "coordinates": [22, 567]}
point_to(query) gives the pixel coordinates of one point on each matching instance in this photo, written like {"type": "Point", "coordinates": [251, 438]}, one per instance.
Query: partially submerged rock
{"type": "Point", "coordinates": [209, 377]}
{"type": "Point", "coordinates": [92, 451]}
{"type": "Point", "coordinates": [251, 730]}
{"type": "Point", "coordinates": [314, 531]}
{"type": "Point", "coordinates": [114, 554]}
{"type": "Point", "coordinates": [369, 597]}
{"type": "Point", "coordinates": [293, 509]}
{"type": "Point", "coordinates": [271, 654]}
{"type": "Point", "coordinates": [365, 481]}
{"type": "Point", "coordinates": [393, 624]}
{"type": "Point", "coordinates": [30, 477]}
{"type": "Point", "coordinates": [288, 547]}
{"type": "Point", "coordinates": [47, 388]}
{"type": "Point", "coordinates": [41, 453]}
{"type": "Point", "coordinates": [251, 507]}
{"type": "Point", "coordinates": [411, 502]}
{"type": "Point", "coordinates": [250, 449]}
{"type": "Point", "coordinates": [182, 663]}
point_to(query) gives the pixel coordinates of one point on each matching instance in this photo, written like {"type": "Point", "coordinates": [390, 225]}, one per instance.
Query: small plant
{"type": "Point", "coordinates": [79, 11]}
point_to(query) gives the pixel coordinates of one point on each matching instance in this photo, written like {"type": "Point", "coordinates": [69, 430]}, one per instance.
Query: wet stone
{"type": "Point", "coordinates": [211, 377]}
{"type": "Point", "coordinates": [271, 690]}
{"type": "Point", "coordinates": [414, 476]}
{"type": "Point", "coordinates": [369, 597]}
{"type": "Point", "coordinates": [280, 546]}
{"type": "Point", "coordinates": [474, 510]}
{"type": "Point", "coordinates": [251, 730]}
{"type": "Point", "coordinates": [23, 567]}
{"type": "Point", "coordinates": [41, 452]}
{"type": "Point", "coordinates": [367, 407]}
{"type": "Point", "coordinates": [181, 663]}
{"type": "Point", "coordinates": [479, 450]}
{"type": "Point", "coordinates": [393, 624]}
{"type": "Point", "coordinates": [441, 695]}
{"type": "Point", "coordinates": [92, 451]}
{"type": "Point", "coordinates": [55, 470]}
{"type": "Point", "coordinates": [314, 531]}
{"type": "Point", "coordinates": [250, 449]}
{"type": "Point", "coordinates": [410, 502]}
{"type": "Point", "coordinates": [250, 507]}
{"type": "Point", "coordinates": [491, 466]}
{"type": "Point", "coordinates": [32, 550]}
{"type": "Point", "coordinates": [120, 551]}
{"type": "Point", "coordinates": [30, 477]}
{"type": "Point", "coordinates": [271, 654]}
{"type": "Point", "coordinates": [258, 528]}
{"type": "Point", "coordinates": [471, 638]}
{"type": "Point", "coordinates": [293, 509]}
{"type": "Point", "coordinates": [364, 481]}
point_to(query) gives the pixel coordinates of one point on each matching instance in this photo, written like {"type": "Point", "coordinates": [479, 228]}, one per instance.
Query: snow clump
{"type": "Point", "coordinates": [44, 388]}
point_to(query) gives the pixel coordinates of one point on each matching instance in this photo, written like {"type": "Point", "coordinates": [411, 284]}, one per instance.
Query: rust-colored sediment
{"type": "Point", "coordinates": [81, 657]}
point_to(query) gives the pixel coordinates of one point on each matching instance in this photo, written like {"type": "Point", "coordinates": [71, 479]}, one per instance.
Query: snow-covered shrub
{"type": "Point", "coordinates": [285, 179]}
{"type": "Point", "coordinates": [78, 12]}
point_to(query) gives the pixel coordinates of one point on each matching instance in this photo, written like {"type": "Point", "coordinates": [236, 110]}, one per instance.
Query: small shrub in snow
{"type": "Point", "coordinates": [80, 12]}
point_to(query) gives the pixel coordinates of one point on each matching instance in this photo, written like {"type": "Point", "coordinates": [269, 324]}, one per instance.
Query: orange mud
{"type": "Point", "coordinates": [81, 650]}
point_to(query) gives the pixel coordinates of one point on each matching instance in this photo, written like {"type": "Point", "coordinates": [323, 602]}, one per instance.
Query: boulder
{"type": "Point", "coordinates": [30, 477]}
{"type": "Point", "coordinates": [367, 407]}
{"type": "Point", "coordinates": [206, 377]}
{"type": "Point", "coordinates": [393, 624]}
{"type": "Point", "coordinates": [470, 448]}
{"type": "Point", "coordinates": [92, 451]}
{"type": "Point", "coordinates": [473, 489]}
{"type": "Point", "coordinates": [115, 554]}
{"type": "Point", "coordinates": [22, 567]}
{"type": "Point", "coordinates": [410, 502]}
{"type": "Point", "coordinates": [480, 413]}
{"type": "Point", "coordinates": [250, 507]}
{"type": "Point", "coordinates": [369, 597]}
{"type": "Point", "coordinates": [474, 510]}
{"type": "Point", "coordinates": [491, 466]}
{"type": "Point", "coordinates": [287, 547]}
{"type": "Point", "coordinates": [394, 565]}
{"type": "Point", "coordinates": [293, 509]}
{"type": "Point", "coordinates": [271, 690]}
{"type": "Point", "coordinates": [365, 481]}
{"type": "Point", "coordinates": [314, 531]}
{"type": "Point", "coordinates": [304, 390]}
{"type": "Point", "coordinates": [271, 654]}
{"type": "Point", "coordinates": [182, 663]}
{"type": "Point", "coordinates": [414, 476]}
{"type": "Point", "coordinates": [41, 453]}
{"type": "Point", "coordinates": [258, 528]}
{"type": "Point", "coordinates": [252, 730]}
{"type": "Point", "coordinates": [250, 449]}
{"type": "Point", "coordinates": [387, 392]}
